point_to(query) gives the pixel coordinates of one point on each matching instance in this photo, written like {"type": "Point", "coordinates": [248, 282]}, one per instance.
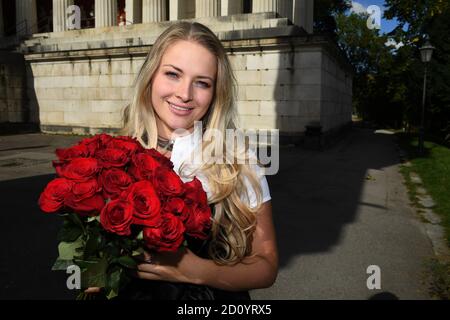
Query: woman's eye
{"type": "Point", "coordinates": [203, 84]}
{"type": "Point", "coordinates": [172, 74]}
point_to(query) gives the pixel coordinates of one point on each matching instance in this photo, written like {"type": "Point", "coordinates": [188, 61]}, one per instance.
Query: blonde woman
{"type": "Point", "coordinates": [187, 78]}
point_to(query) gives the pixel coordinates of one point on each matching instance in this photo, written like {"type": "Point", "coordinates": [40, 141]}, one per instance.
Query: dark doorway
{"type": "Point", "coordinates": [87, 10]}
{"type": "Point", "coordinates": [247, 6]}
{"type": "Point", "coordinates": [121, 16]}
{"type": "Point", "coordinates": [44, 15]}
{"type": "Point", "coordinates": [9, 17]}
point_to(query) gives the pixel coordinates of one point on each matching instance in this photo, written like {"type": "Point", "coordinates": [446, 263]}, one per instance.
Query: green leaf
{"type": "Point", "coordinates": [112, 293]}
{"type": "Point", "coordinates": [127, 262]}
{"type": "Point", "coordinates": [93, 244]}
{"type": "Point", "coordinates": [68, 250]}
{"type": "Point", "coordinates": [61, 265]}
{"type": "Point", "coordinates": [69, 232]}
{"type": "Point", "coordinates": [95, 274]}
{"type": "Point", "coordinates": [96, 218]}
{"type": "Point", "coordinates": [139, 251]}
{"type": "Point", "coordinates": [75, 219]}
{"type": "Point", "coordinates": [114, 282]}
{"type": "Point", "coordinates": [140, 235]}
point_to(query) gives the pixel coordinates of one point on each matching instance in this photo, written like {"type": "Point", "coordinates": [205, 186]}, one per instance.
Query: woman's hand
{"type": "Point", "coordinates": [180, 266]}
{"type": "Point", "coordinates": [92, 290]}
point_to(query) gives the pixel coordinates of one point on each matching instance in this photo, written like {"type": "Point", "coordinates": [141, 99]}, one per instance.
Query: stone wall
{"type": "Point", "coordinates": [336, 103]}
{"type": "Point", "coordinates": [13, 96]}
{"type": "Point", "coordinates": [286, 79]}
{"type": "Point", "coordinates": [279, 88]}
{"type": "Point", "coordinates": [85, 95]}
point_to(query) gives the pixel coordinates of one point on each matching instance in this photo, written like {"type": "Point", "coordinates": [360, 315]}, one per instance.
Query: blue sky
{"type": "Point", "coordinates": [386, 25]}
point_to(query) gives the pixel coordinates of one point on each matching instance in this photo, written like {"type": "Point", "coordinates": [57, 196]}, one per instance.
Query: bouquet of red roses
{"type": "Point", "coordinates": [119, 199]}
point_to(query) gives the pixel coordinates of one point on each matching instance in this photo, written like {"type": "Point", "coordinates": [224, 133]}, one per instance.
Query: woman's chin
{"type": "Point", "coordinates": [178, 125]}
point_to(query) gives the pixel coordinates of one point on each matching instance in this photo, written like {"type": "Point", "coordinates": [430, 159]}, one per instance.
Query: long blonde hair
{"type": "Point", "coordinates": [234, 220]}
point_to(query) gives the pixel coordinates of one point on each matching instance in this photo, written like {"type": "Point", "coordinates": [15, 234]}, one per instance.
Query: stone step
{"type": "Point", "coordinates": [149, 32]}
{"type": "Point", "coordinates": [217, 24]}
{"type": "Point", "coordinates": [259, 33]}
{"type": "Point", "coordinates": [225, 19]}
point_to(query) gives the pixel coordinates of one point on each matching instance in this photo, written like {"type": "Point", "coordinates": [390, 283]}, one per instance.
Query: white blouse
{"type": "Point", "coordinates": [182, 149]}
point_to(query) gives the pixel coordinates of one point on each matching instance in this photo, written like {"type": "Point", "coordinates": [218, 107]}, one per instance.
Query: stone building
{"type": "Point", "coordinates": [78, 81]}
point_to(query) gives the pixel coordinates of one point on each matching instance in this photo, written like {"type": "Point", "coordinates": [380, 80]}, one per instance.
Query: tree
{"type": "Point", "coordinates": [372, 60]}
{"type": "Point", "coordinates": [325, 12]}
{"type": "Point", "coordinates": [432, 18]}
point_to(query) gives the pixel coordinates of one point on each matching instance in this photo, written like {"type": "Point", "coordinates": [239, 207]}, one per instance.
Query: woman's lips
{"type": "Point", "coordinates": [180, 111]}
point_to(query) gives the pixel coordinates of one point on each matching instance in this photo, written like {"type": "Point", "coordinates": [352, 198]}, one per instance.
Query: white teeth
{"type": "Point", "coordinates": [180, 108]}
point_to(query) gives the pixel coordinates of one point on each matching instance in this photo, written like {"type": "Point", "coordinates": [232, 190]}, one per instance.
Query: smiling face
{"type": "Point", "coordinates": [183, 86]}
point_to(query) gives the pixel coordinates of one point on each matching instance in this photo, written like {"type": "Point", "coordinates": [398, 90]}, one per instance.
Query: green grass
{"type": "Point", "coordinates": [440, 279]}
{"type": "Point", "coordinates": [434, 170]}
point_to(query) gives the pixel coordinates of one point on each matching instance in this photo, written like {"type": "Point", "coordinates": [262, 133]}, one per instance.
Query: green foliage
{"type": "Point", "coordinates": [375, 91]}
{"type": "Point", "coordinates": [440, 280]}
{"type": "Point", "coordinates": [434, 170]}
{"type": "Point", "coordinates": [414, 15]}
{"type": "Point", "coordinates": [388, 83]}
{"type": "Point", "coordinates": [325, 12]}
{"type": "Point", "coordinates": [103, 257]}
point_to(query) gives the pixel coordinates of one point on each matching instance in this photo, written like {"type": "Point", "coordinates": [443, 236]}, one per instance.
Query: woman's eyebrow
{"type": "Point", "coordinates": [179, 70]}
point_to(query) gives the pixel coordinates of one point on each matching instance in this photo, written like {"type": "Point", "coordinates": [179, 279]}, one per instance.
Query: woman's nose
{"type": "Point", "coordinates": [184, 91]}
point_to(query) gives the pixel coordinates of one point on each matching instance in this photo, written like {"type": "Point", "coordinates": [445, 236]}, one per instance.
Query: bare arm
{"type": "Point", "coordinates": [258, 271]}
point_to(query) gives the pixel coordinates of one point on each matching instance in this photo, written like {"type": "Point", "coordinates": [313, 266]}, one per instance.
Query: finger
{"type": "Point", "coordinates": [147, 255]}
{"type": "Point", "coordinates": [146, 267]}
{"type": "Point", "coordinates": [92, 290]}
{"type": "Point", "coordinates": [147, 275]}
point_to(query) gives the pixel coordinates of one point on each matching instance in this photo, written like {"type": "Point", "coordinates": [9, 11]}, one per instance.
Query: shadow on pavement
{"type": "Point", "coordinates": [316, 193]}
{"type": "Point", "coordinates": [29, 245]}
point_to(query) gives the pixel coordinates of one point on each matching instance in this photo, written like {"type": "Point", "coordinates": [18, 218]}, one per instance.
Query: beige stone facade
{"type": "Point", "coordinates": [80, 80]}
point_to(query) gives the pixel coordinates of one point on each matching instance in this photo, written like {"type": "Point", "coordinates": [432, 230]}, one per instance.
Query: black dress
{"type": "Point", "coordinates": [139, 289]}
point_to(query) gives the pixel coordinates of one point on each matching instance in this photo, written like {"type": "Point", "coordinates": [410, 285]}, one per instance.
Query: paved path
{"type": "Point", "coordinates": [339, 211]}
{"type": "Point", "coordinates": [332, 222]}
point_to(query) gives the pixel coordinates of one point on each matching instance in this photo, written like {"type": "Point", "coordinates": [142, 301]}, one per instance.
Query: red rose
{"type": "Point", "coordinates": [168, 182]}
{"type": "Point", "coordinates": [168, 237]}
{"type": "Point", "coordinates": [52, 198]}
{"type": "Point", "coordinates": [198, 223]}
{"type": "Point", "coordinates": [79, 169]}
{"type": "Point", "coordinates": [177, 207]}
{"type": "Point", "coordinates": [113, 182]}
{"type": "Point", "coordinates": [91, 206]}
{"type": "Point", "coordinates": [112, 157]}
{"type": "Point", "coordinates": [164, 161]}
{"type": "Point", "coordinates": [95, 143]}
{"type": "Point", "coordinates": [194, 193]}
{"type": "Point", "coordinates": [78, 151]}
{"type": "Point", "coordinates": [127, 144]}
{"type": "Point", "coordinates": [84, 190]}
{"type": "Point", "coordinates": [117, 217]}
{"type": "Point", "coordinates": [143, 166]}
{"type": "Point", "coordinates": [142, 196]}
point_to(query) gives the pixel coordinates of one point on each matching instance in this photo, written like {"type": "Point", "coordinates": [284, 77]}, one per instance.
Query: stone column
{"type": "Point", "coordinates": [265, 6]}
{"type": "Point", "coordinates": [60, 14]}
{"type": "Point", "coordinates": [133, 10]}
{"type": "Point", "coordinates": [304, 14]}
{"type": "Point", "coordinates": [177, 9]}
{"type": "Point", "coordinates": [229, 7]}
{"type": "Point", "coordinates": [284, 8]}
{"type": "Point", "coordinates": [153, 10]}
{"type": "Point", "coordinates": [105, 13]}
{"type": "Point", "coordinates": [1, 20]}
{"type": "Point", "coordinates": [207, 8]}
{"type": "Point", "coordinates": [26, 17]}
